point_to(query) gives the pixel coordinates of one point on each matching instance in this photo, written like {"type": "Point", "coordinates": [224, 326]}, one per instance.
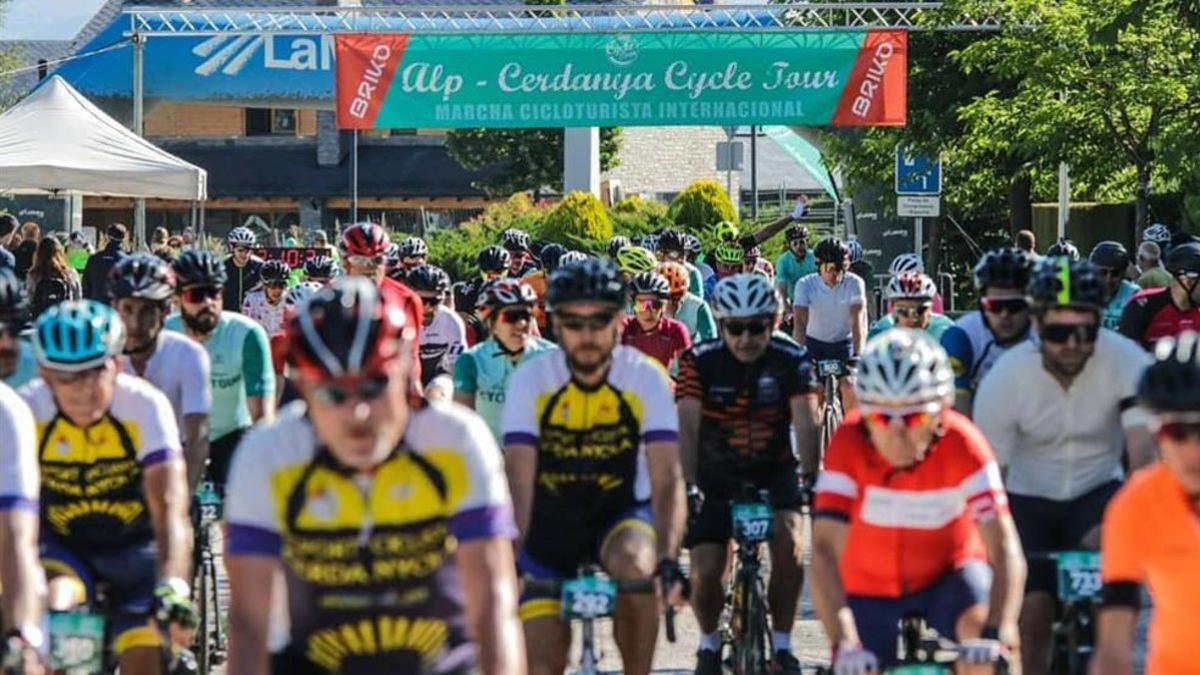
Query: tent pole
{"type": "Point", "coordinates": [139, 57]}
{"type": "Point", "coordinates": [354, 178]}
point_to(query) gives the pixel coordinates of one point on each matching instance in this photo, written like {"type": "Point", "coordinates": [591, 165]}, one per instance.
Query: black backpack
{"type": "Point", "coordinates": [49, 292]}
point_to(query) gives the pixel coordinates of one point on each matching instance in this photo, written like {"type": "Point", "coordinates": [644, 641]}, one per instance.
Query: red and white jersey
{"type": "Point", "coordinates": [909, 527]}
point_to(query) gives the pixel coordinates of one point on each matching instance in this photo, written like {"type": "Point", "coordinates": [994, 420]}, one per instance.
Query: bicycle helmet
{"type": "Point", "coordinates": [513, 239]}
{"type": "Point", "coordinates": [1062, 282]}
{"type": "Point", "coordinates": [903, 367]}
{"type": "Point", "coordinates": [911, 286]}
{"type": "Point", "coordinates": [591, 280]}
{"type": "Point", "coordinates": [615, 245]}
{"type": "Point", "coordinates": [741, 296]}
{"type": "Point", "coordinates": [856, 250]}
{"type": "Point", "coordinates": [650, 283]}
{"type": "Point", "coordinates": [392, 256]}
{"type": "Point", "coordinates": [501, 293]}
{"type": "Point", "coordinates": [141, 275]}
{"type": "Point", "coordinates": [635, 260]}
{"type": "Point", "coordinates": [493, 259]}
{"type": "Point", "coordinates": [364, 239]}
{"type": "Point", "coordinates": [428, 279]}
{"type": "Point", "coordinates": [1172, 382]}
{"type": "Point", "coordinates": [1065, 248]}
{"type": "Point", "coordinates": [1003, 268]}
{"type": "Point", "coordinates": [241, 236]}
{"type": "Point", "coordinates": [198, 268]}
{"type": "Point", "coordinates": [691, 244]}
{"type": "Point", "coordinates": [13, 301]}
{"type": "Point", "coordinates": [298, 294]}
{"type": "Point", "coordinates": [572, 257]}
{"type": "Point", "coordinates": [320, 267]}
{"type": "Point", "coordinates": [413, 247]}
{"type": "Point", "coordinates": [729, 254]}
{"type": "Point", "coordinates": [831, 250]}
{"type": "Point", "coordinates": [1183, 259]}
{"type": "Point", "coordinates": [795, 233]}
{"type": "Point", "coordinates": [1159, 234]}
{"type": "Point", "coordinates": [672, 240]}
{"type": "Point", "coordinates": [725, 231]}
{"type": "Point", "coordinates": [77, 335]}
{"type": "Point", "coordinates": [677, 277]}
{"type": "Point", "coordinates": [550, 255]}
{"type": "Point", "coordinates": [275, 273]}
{"type": "Point", "coordinates": [1110, 254]}
{"type": "Point", "coordinates": [347, 329]}
{"type": "Point", "coordinates": [906, 262]}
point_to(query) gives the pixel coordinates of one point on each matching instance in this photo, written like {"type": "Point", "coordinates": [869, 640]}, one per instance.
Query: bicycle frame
{"type": "Point", "coordinates": [748, 630]}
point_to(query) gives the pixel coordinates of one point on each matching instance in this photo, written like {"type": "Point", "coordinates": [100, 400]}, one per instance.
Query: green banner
{"type": "Point", "coordinates": [843, 78]}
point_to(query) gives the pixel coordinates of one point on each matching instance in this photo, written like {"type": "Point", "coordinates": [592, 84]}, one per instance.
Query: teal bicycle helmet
{"type": "Point", "coordinates": [77, 335]}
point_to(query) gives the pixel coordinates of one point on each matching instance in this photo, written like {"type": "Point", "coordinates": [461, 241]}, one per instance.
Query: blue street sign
{"type": "Point", "coordinates": [917, 174]}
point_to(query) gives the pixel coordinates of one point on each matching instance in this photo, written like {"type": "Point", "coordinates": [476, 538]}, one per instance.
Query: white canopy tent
{"type": "Point", "coordinates": [56, 141]}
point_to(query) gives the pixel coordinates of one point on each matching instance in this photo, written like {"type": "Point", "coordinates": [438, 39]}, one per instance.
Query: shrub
{"type": "Point", "coordinates": [579, 221]}
{"type": "Point", "coordinates": [701, 205]}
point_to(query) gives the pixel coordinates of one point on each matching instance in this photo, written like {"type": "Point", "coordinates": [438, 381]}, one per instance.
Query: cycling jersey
{"type": "Point", "coordinates": [1150, 537]}
{"type": "Point", "coordinates": [239, 281]}
{"type": "Point", "coordinates": [18, 453]}
{"type": "Point", "coordinates": [938, 325]}
{"type": "Point", "coordinates": [269, 316]}
{"type": "Point", "coordinates": [1151, 315]}
{"type": "Point", "coordinates": [404, 297]}
{"type": "Point", "coordinates": [973, 349]}
{"type": "Point", "coordinates": [591, 465]}
{"type": "Point", "coordinates": [239, 356]}
{"type": "Point", "coordinates": [441, 342]}
{"type": "Point", "coordinates": [178, 368]}
{"type": "Point", "coordinates": [697, 316]}
{"type": "Point", "coordinates": [789, 270]}
{"type": "Point", "coordinates": [1059, 444]}
{"type": "Point", "coordinates": [483, 370]}
{"type": "Point", "coordinates": [908, 528]}
{"type": "Point", "coordinates": [1155, 277]}
{"type": "Point", "coordinates": [829, 308]}
{"type": "Point", "coordinates": [1110, 316]}
{"type": "Point", "coordinates": [27, 366]}
{"type": "Point", "coordinates": [371, 580]}
{"type": "Point", "coordinates": [695, 279]}
{"type": "Point", "coordinates": [91, 495]}
{"type": "Point", "coordinates": [666, 342]}
{"type": "Point", "coordinates": [538, 281]}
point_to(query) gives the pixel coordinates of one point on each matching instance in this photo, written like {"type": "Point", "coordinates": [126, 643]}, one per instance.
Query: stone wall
{"type": "Point", "coordinates": [663, 160]}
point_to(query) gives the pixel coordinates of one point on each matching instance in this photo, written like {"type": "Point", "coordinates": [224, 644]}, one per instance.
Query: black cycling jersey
{"type": "Point", "coordinates": [240, 281]}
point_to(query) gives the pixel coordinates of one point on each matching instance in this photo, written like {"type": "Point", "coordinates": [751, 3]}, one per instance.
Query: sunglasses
{"type": "Point", "coordinates": [592, 322]}
{"type": "Point", "coordinates": [912, 312]}
{"type": "Point", "coordinates": [736, 328]}
{"type": "Point", "coordinates": [1060, 333]}
{"type": "Point", "coordinates": [650, 304]}
{"type": "Point", "coordinates": [1004, 305]}
{"type": "Point", "coordinates": [1180, 431]}
{"type": "Point", "coordinates": [515, 315]}
{"type": "Point", "coordinates": [201, 293]}
{"type": "Point", "coordinates": [430, 300]}
{"type": "Point", "coordinates": [911, 418]}
{"type": "Point", "coordinates": [363, 389]}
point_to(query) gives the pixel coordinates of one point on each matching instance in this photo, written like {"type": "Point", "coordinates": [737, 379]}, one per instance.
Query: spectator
{"type": "Point", "coordinates": [8, 227]}
{"type": "Point", "coordinates": [95, 275]}
{"type": "Point", "coordinates": [78, 251]}
{"type": "Point", "coordinates": [319, 240]}
{"type": "Point", "coordinates": [1027, 242]}
{"type": "Point", "coordinates": [1149, 262]}
{"type": "Point", "coordinates": [51, 280]}
{"type": "Point", "coordinates": [30, 234]}
{"type": "Point", "coordinates": [159, 240]}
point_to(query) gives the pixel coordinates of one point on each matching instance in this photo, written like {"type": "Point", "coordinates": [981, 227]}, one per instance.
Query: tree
{"type": "Point", "coordinates": [9, 60]}
{"type": "Point", "coordinates": [528, 159]}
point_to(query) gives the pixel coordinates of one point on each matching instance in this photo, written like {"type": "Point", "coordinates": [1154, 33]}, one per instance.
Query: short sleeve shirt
{"type": "Point", "coordinates": [788, 270]}
{"type": "Point", "coordinates": [179, 369]}
{"type": "Point", "coordinates": [665, 343]}
{"type": "Point", "coordinates": [27, 367]}
{"type": "Point", "coordinates": [18, 453]}
{"type": "Point", "coordinates": [829, 308]}
{"type": "Point", "coordinates": [973, 349]}
{"type": "Point", "coordinates": [484, 371]}
{"type": "Point", "coordinates": [1110, 317]}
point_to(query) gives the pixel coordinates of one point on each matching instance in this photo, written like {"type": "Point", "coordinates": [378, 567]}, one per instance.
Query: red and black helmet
{"type": "Point", "coordinates": [347, 329]}
{"type": "Point", "coordinates": [365, 239]}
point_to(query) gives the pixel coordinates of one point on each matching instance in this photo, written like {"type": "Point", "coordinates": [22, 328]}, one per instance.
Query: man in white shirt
{"type": "Point", "coordinates": [828, 311]}
{"type": "Point", "coordinates": [443, 333]}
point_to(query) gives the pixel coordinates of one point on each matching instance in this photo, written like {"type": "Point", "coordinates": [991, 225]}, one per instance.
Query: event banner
{"type": "Point", "coordinates": [833, 78]}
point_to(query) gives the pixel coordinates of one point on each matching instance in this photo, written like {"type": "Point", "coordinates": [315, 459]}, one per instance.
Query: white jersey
{"type": "Point", "coordinates": [179, 368]}
{"type": "Point", "coordinates": [269, 316]}
{"type": "Point", "coordinates": [973, 349]}
{"type": "Point", "coordinates": [829, 308]}
{"type": "Point", "coordinates": [18, 453]}
{"type": "Point", "coordinates": [442, 340]}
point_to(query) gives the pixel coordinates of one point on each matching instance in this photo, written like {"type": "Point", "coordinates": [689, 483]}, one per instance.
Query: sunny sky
{"type": "Point", "coordinates": [45, 19]}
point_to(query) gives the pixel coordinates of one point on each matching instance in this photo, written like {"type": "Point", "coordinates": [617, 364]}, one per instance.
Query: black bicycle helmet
{"type": "Point", "coordinates": [1003, 268]}
{"type": "Point", "coordinates": [1062, 282]}
{"type": "Point", "coordinates": [1063, 247]}
{"type": "Point", "coordinates": [796, 233]}
{"type": "Point", "coordinates": [1172, 382]}
{"type": "Point", "coordinates": [198, 268]}
{"type": "Point", "coordinates": [831, 250]}
{"type": "Point", "coordinates": [320, 267]}
{"type": "Point", "coordinates": [615, 244]}
{"type": "Point", "coordinates": [650, 283]}
{"type": "Point", "coordinates": [141, 275]}
{"type": "Point", "coordinates": [413, 247]}
{"type": "Point", "coordinates": [550, 255]}
{"type": "Point", "coordinates": [513, 239]}
{"type": "Point", "coordinates": [1183, 259]}
{"type": "Point", "coordinates": [493, 259]}
{"type": "Point", "coordinates": [275, 272]}
{"type": "Point", "coordinates": [591, 280]}
{"type": "Point", "coordinates": [13, 301]}
{"type": "Point", "coordinates": [672, 240]}
{"type": "Point", "coordinates": [1110, 254]}
{"type": "Point", "coordinates": [428, 279]}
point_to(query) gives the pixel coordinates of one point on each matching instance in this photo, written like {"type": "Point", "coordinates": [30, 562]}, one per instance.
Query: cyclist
{"type": "Point", "coordinates": [910, 516]}
{"type": "Point", "coordinates": [615, 245]}
{"type": "Point", "coordinates": [129, 529]}
{"type": "Point", "coordinates": [493, 263]}
{"type": "Point", "coordinates": [1156, 313]}
{"type": "Point", "coordinates": [793, 264]}
{"type": "Point", "coordinates": [1063, 248]}
{"type": "Point", "coordinates": [242, 268]}
{"type": "Point", "coordinates": [17, 365]}
{"type": "Point", "coordinates": [828, 311]}
{"type": "Point", "coordinates": [295, 297]}
{"type": "Point", "coordinates": [390, 524]}
{"type": "Point", "coordinates": [1059, 414]}
{"type": "Point", "coordinates": [862, 267]}
{"type": "Point", "coordinates": [266, 304]}
{"type": "Point", "coordinates": [1002, 321]}
{"type": "Point", "coordinates": [413, 252]}
{"type": "Point", "coordinates": [520, 262]}
{"type": "Point", "coordinates": [633, 260]}
{"type": "Point", "coordinates": [621, 503]}
{"type": "Point", "coordinates": [754, 263]}
{"type": "Point", "coordinates": [320, 269]}
{"type": "Point", "coordinates": [239, 355]}
{"type": "Point", "coordinates": [1149, 533]}
{"type": "Point", "coordinates": [443, 335]}
{"type": "Point", "coordinates": [672, 247]}
{"type": "Point", "coordinates": [24, 593]}
{"type": "Point", "coordinates": [691, 253]}
{"type": "Point", "coordinates": [1151, 273]}
{"type": "Point", "coordinates": [906, 262]}
{"type": "Point", "coordinates": [910, 295]}
{"type": "Point", "coordinates": [140, 287]}
{"type": "Point", "coordinates": [649, 329]}
{"type": "Point", "coordinates": [481, 373]}
{"type": "Point", "coordinates": [684, 306]}
{"type": "Point", "coordinates": [744, 400]}
{"type": "Point", "coordinates": [1111, 261]}
{"type": "Point", "coordinates": [550, 255]}
{"type": "Point", "coordinates": [729, 258]}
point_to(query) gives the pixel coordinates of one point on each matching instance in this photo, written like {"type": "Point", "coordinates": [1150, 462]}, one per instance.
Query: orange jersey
{"type": "Point", "coordinates": [1151, 536]}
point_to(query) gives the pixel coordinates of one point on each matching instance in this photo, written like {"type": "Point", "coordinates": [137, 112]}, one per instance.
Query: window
{"type": "Point", "coordinates": [270, 122]}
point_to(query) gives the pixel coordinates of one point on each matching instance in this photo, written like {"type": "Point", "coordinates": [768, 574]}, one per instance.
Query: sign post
{"type": "Point", "coordinates": [918, 190]}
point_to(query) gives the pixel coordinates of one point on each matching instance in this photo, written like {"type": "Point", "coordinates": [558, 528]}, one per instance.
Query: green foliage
{"type": "Point", "coordinates": [455, 250]}
{"type": "Point", "coordinates": [527, 159]}
{"type": "Point", "coordinates": [634, 215]}
{"type": "Point", "coordinates": [701, 205]}
{"type": "Point", "coordinates": [579, 221]}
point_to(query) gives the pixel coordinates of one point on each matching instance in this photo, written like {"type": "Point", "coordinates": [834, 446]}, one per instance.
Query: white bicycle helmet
{"type": "Point", "coordinates": [297, 295]}
{"type": "Point", "coordinates": [572, 257]}
{"type": "Point", "coordinates": [241, 236]}
{"type": "Point", "coordinates": [742, 296]}
{"type": "Point", "coordinates": [1159, 234]}
{"type": "Point", "coordinates": [906, 262]}
{"type": "Point", "coordinates": [902, 367]}
{"type": "Point", "coordinates": [910, 285]}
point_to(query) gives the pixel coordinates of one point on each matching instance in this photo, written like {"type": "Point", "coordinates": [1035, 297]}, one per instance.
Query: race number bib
{"type": "Point", "coordinates": [1078, 575]}
{"type": "Point", "coordinates": [209, 502]}
{"type": "Point", "coordinates": [76, 643]}
{"type": "Point", "coordinates": [752, 521]}
{"type": "Point", "coordinates": [830, 367]}
{"type": "Point", "coordinates": [588, 598]}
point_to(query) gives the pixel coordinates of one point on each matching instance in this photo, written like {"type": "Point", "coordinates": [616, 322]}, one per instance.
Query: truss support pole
{"type": "Point", "coordinates": [139, 64]}
{"type": "Point", "coordinates": [581, 160]}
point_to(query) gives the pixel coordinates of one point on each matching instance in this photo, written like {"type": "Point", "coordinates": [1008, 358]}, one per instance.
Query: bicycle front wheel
{"type": "Point", "coordinates": [752, 644]}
